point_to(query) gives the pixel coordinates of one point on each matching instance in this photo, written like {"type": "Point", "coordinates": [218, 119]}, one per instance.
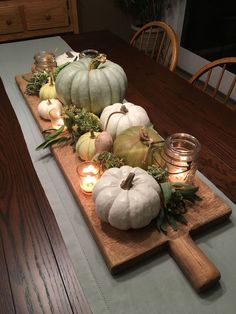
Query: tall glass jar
{"type": "Point", "coordinates": [44, 61]}
{"type": "Point", "coordinates": [181, 152]}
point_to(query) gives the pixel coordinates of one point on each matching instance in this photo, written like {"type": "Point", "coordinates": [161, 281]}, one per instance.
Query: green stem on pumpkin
{"type": "Point", "coordinates": [51, 80]}
{"type": "Point", "coordinates": [127, 183]}
{"type": "Point", "coordinates": [92, 135]}
{"type": "Point", "coordinates": [101, 58]}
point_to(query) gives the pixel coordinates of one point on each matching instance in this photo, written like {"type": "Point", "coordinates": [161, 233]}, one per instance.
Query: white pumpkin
{"type": "Point", "coordinates": [127, 203]}
{"type": "Point", "coordinates": [119, 117]}
{"type": "Point", "coordinates": [67, 57]}
{"type": "Point", "coordinates": [45, 106]}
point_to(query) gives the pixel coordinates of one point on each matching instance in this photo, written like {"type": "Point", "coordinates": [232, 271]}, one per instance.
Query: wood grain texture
{"type": "Point", "coordinates": [174, 106]}
{"type": "Point", "coordinates": [40, 274]}
{"type": "Point", "coordinates": [124, 248]}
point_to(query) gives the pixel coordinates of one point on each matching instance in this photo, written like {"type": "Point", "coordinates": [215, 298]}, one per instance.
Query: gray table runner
{"type": "Point", "coordinates": [155, 286]}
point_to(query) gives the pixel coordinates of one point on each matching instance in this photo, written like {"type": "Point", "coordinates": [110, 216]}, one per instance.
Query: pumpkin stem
{"type": "Point", "coordinates": [51, 80]}
{"type": "Point", "coordinates": [127, 183]}
{"type": "Point", "coordinates": [49, 101]}
{"type": "Point", "coordinates": [150, 143]}
{"type": "Point", "coordinates": [101, 58]}
{"type": "Point", "coordinates": [92, 135]}
{"type": "Point", "coordinates": [143, 135]}
{"type": "Point", "coordinates": [121, 111]}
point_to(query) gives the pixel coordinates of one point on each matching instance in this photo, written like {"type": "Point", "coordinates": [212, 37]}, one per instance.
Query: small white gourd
{"type": "Point", "coordinates": [45, 106]}
{"type": "Point", "coordinates": [127, 197]}
{"type": "Point", "coordinates": [119, 117]}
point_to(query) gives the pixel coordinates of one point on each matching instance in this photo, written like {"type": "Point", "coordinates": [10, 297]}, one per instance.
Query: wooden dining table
{"type": "Point", "coordinates": [37, 275]}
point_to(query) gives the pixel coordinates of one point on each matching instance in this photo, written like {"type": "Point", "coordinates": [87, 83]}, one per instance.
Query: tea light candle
{"type": "Point", "coordinates": [56, 118]}
{"type": "Point", "coordinates": [89, 174]}
{"type": "Point", "coordinates": [181, 151]}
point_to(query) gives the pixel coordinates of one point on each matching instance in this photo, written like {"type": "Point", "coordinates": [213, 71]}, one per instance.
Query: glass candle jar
{"type": "Point", "coordinates": [181, 152]}
{"type": "Point", "coordinates": [89, 174]}
{"type": "Point", "coordinates": [88, 53]}
{"type": "Point", "coordinates": [44, 61]}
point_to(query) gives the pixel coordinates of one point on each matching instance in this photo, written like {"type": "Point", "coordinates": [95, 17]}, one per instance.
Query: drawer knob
{"type": "Point", "coordinates": [48, 17]}
{"type": "Point", "coordinates": [9, 22]}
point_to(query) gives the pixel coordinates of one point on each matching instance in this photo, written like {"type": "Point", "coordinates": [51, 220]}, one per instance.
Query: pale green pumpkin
{"type": "Point", "coordinates": [48, 91]}
{"type": "Point", "coordinates": [139, 147]}
{"type": "Point", "coordinates": [92, 86]}
{"type": "Point", "coordinates": [91, 143]}
{"type": "Point", "coordinates": [85, 146]}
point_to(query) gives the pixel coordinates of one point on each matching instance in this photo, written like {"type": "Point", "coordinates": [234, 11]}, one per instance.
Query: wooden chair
{"type": "Point", "coordinates": [158, 40]}
{"type": "Point", "coordinates": [212, 76]}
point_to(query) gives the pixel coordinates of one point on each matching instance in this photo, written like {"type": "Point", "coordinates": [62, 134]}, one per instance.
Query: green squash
{"type": "Point", "coordinates": [92, 84]}
{"type": "Point", "coordinates": [138, 147]}
{"type": "Point", "coordinates": [48, 90]}
{"type": "Point", "coordinates": [85, 146]}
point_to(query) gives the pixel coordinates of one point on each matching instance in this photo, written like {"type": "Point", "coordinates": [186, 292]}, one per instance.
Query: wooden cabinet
{"type": "Point", "coordinates": [21, 19]}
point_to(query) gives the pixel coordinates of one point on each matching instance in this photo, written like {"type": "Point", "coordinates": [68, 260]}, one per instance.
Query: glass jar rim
{"type": "Point", "coordinates": [193, 144]}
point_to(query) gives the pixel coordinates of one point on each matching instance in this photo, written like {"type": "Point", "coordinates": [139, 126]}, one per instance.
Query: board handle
{"type": "Point", "coordinates": [200, 271]}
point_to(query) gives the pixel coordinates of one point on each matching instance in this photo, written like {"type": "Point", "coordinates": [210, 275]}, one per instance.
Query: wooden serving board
{"type": "Point", "coordinates": [122, 249]}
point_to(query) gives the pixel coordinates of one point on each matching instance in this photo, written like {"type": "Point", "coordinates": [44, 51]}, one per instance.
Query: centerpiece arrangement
{"type": "Point", "coordinates": [83, 99]}
{"type": "Point", "coordinates": [136, 191]}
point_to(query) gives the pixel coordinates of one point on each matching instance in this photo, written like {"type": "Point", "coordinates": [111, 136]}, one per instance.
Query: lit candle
{"type": "Point", "coordinates": [181, 151]}
{"type": "Point", "coordinates": [56, 118]}
{"type": "Point", "coordinates": [89, 174]}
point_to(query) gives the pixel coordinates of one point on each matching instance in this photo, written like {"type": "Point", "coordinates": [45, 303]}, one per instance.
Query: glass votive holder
{"type": "Point", "coordinates": [88, 53]}
{"type": "Point", "coordinates": [56, 119]}
{"type": "Point", "coordinates": [89, 172]}
{"type": "Point", "coordinates": [180, 155]}
{"type": "Point", "coordinates": [44, 61]}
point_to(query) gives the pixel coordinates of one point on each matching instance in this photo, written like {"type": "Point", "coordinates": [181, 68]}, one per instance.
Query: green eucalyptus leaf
{"type": "Point", "coordinates": [55, 134]}
{"type": "Point", "coordinates": [166, 188]}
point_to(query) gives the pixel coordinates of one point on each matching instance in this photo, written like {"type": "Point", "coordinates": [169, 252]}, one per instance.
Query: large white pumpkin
{"type": "Point", "coordinates": [119, 117]}
{"type": "Point", "coordinates": [132, 204]}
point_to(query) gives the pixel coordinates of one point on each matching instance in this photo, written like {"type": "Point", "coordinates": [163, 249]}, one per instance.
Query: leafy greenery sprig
{"type": "Point", "coordinates": [174, 205]}
{"type": "Point", "coordinates": [174, 197]}
{"type": "Point", "coordinates": [109, 160]}
{"type": "Point", "coordinates": [158, 173]}
{"type": "Point", "coordinates": [77, 121]}
{"type": "Point", "coordinates": [40, 78]}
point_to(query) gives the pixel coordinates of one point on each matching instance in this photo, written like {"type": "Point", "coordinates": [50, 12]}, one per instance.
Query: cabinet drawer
{"type": "Point", "coordinates": [10, 20]}
{"type": "Point", "coordinates": [41, 15]}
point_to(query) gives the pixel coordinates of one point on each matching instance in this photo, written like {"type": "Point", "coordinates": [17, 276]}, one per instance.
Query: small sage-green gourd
{"type": "Point", "coordinates": [48, 91]}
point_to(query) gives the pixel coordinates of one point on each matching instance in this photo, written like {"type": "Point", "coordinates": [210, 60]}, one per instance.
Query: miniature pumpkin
{"type": "Point", "coordinates": [45, 106]}
{"type": "Point", "coordinates": [68, 56]}
{"type": "Point", "coordinates": [127, 198]}
{"type": "Point", "coordinates": [91, 143]}
{"type": "Point", "coordinates": [119, 117]}
{"type": "Point", "coordinates": [48, 91]}
{"type": "Point", "coordinates": [92, 84]}
{"type": "Point", "coordinates": [139, 147]}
